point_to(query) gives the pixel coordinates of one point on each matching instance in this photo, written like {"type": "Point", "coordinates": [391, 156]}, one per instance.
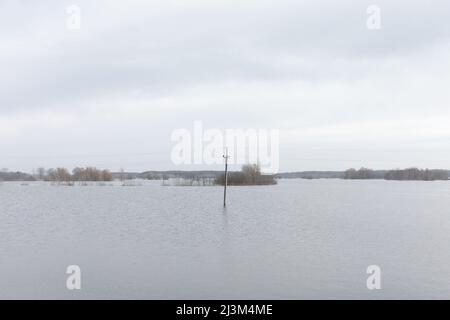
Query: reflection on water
{"type": "Point", "coordinates": [299, 239]}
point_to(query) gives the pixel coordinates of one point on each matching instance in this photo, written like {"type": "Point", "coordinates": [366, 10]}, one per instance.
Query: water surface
{"type": "Point", "coordinates": [300, 239]}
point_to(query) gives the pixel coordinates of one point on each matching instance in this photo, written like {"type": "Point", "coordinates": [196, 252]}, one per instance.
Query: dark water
{"type": "Point", "coordinates": [300, 239]}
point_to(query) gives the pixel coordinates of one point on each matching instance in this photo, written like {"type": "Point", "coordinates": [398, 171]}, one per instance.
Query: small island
{"type": "Point", "coordinates": [250, 175]}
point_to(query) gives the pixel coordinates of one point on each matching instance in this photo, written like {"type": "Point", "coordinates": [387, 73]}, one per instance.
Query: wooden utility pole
{"type": "Point", "coordinates": [226, 178]}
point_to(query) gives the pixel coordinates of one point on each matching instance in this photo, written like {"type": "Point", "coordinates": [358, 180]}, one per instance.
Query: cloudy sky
{"type": "Point", "coordinates": [111, 93]}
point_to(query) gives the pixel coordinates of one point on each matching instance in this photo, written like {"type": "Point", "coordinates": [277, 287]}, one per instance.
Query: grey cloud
{"type": "Point", "coordinates": [189, 46]}
{"type": "Point", "coordinates": [283, 64]}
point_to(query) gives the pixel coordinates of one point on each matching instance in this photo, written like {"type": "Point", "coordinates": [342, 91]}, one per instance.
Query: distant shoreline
{"type": "Point", "coordinates": [411, 174]}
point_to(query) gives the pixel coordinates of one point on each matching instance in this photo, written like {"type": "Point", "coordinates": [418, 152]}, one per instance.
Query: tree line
{"type": "Point", "coordinates": [249, 175]}
{"type": "Point", "coordinates": [78, 174]}
{"type": "Point", "coordinates": [417, 174]}
{"type": "Point", "coordinates": [412, 174]}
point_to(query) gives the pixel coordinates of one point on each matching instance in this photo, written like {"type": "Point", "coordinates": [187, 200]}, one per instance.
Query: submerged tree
{"type": "Point", "coordinates": [250, 174]}
{"type": "Point", "coordinates": [91, 174]}
{"type": "Point", "coordinates": [59, 175]}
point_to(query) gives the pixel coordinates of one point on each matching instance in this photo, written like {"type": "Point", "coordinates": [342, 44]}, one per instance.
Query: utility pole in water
{"type": "Point", "coordinates": [225, 178]}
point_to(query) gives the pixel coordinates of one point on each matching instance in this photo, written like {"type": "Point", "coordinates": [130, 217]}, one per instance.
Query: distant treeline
{"type": "Point", "coordinates": [165, 175]}
{"type": "Point", "coordinates": [398, 174]}
{"type": "Point", "coordinates": [78, 174]}
{"type": "Point", "coordinates": [417, 174]}
{"type": "Point", "coordinates": [59, 175]}
{"type": "Point", "coordinates": [91, 174]}
{"type": "Point", "coordinates": [310, 175]}
{"type": "Point", "coordinates": [250, 174]}
{"type": "Point", "coordinates": [5, 175]}
{"type": "Point", "coordinates": [174, 174]}
{"type": "Point", "coordinates": [362, 173]}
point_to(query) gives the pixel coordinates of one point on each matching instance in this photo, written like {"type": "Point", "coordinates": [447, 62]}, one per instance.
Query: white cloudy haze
{"type": "Point", "coordinates": [111, 93]}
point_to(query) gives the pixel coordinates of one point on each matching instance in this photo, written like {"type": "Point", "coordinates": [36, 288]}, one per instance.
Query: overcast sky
{"type": "Point", "coordinates": [112, 93]}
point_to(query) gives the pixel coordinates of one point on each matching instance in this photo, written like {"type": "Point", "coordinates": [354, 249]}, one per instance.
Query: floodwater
{"type": "Point", "coordinates": [300, 239]}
